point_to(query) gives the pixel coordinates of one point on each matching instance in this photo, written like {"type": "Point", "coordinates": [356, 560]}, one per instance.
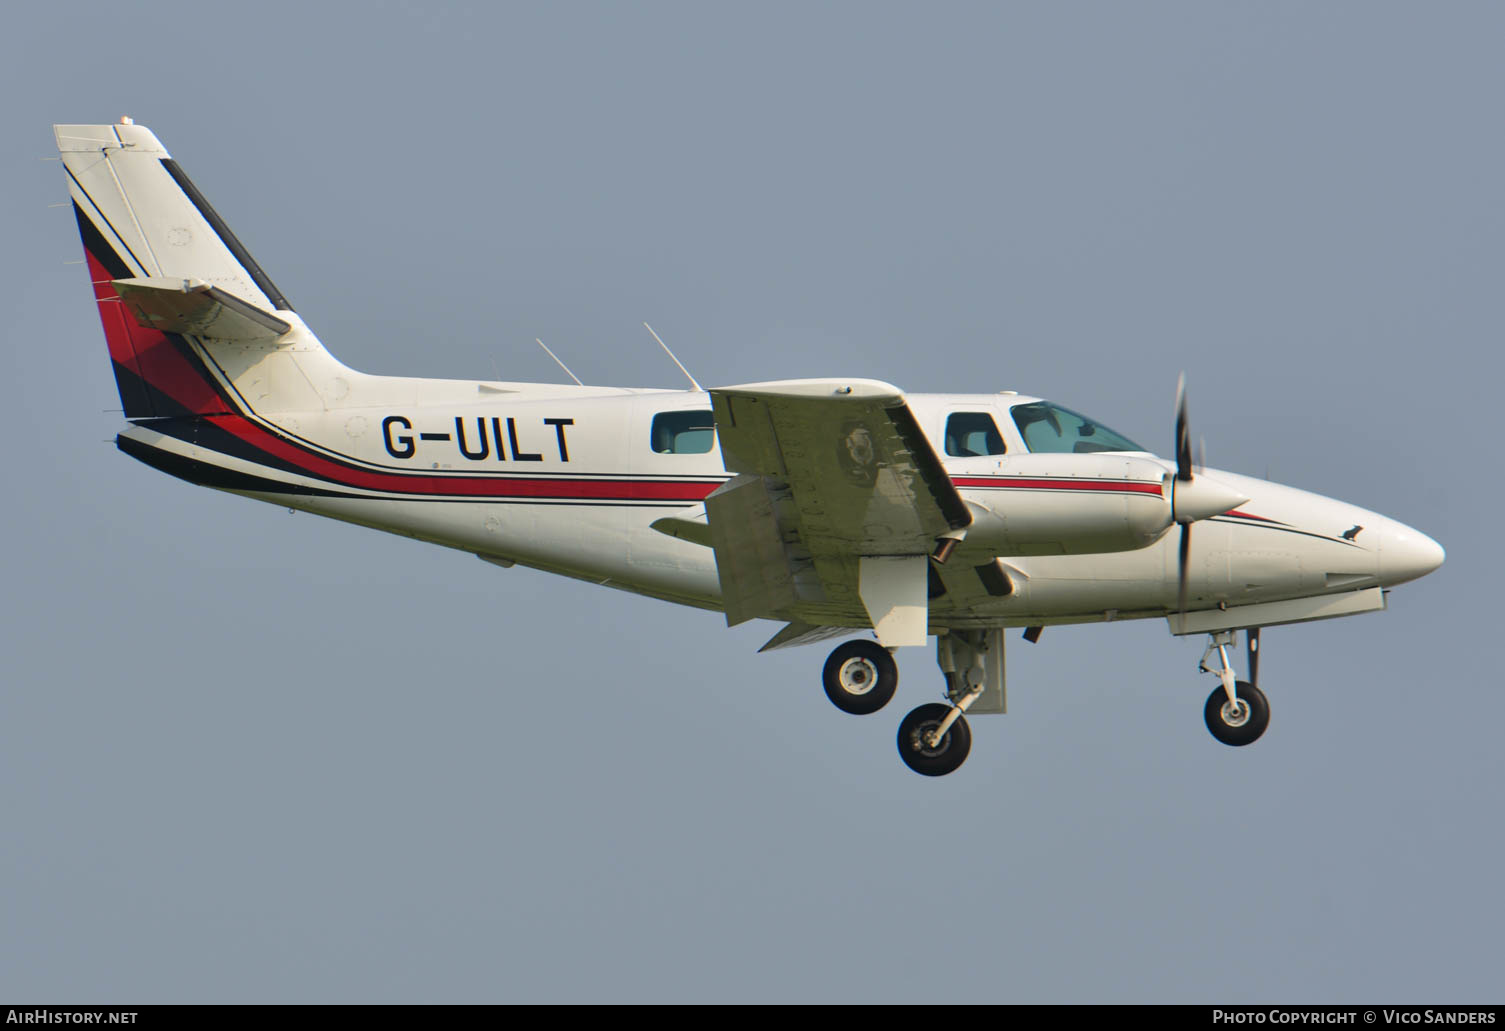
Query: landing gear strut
{"type": "Point", "coordinates": [1237, 712]}
{"type": "Point", "coordinates": [935, 739]}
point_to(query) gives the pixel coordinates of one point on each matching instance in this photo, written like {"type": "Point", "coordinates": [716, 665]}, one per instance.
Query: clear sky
{"type": "Point", "coordinates": [247, 756]}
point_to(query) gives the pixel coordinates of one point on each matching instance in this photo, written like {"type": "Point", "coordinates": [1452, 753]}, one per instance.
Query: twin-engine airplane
{"type": "Point", "coordinates": [831, 505]}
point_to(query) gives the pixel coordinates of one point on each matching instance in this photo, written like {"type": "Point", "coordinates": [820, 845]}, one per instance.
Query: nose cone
{"type": "Point", "coordinates": [1202, 498]}
{"type": "Point", "coordinates": [1406, 554]}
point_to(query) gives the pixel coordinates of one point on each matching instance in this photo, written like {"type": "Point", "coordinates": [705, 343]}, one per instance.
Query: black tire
{"type": "Point", "coordinates": [946, 757]}
{"type": "Point", "coordinates": [1217, 714]}
{"type": "Point", "coordinates": [860, 677]}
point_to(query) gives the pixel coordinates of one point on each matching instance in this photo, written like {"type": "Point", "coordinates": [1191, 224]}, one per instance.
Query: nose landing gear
{"type": "Point", "coordinates": [1237, 712]}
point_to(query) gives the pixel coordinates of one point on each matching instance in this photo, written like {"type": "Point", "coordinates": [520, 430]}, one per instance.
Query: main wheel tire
{"type": "Point", "coordinates": [1242, 726]}
{"type": "Point", "coordinates": [945, 757]}
{"type": "Point", "coordinates": [860, 677]}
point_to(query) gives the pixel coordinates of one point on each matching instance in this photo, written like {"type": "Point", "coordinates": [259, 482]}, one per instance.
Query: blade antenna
{"type": "Point", "coordinates": [670, 353]}
{"type": "Point", "coordinates": [563, 366]}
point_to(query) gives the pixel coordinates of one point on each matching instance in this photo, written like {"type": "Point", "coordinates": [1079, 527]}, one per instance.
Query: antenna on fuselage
{"type": "Point", "coordinates": [676, 361]}
{"type": "Point", "coordinates": [563, 366]}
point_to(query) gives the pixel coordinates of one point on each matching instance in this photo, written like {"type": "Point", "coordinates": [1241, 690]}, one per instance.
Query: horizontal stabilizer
{"type": "Point", "coordinates": [195, 308]}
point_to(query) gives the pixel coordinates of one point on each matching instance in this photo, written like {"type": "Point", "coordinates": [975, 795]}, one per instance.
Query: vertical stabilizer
{"type": "Point", "coordinates": [152, 216]}
{"type": "Point", "coordinates": [145, 228]}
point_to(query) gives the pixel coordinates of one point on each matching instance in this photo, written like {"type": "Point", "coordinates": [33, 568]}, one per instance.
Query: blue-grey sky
{"type": "Point", "coordinates": [252, 757]}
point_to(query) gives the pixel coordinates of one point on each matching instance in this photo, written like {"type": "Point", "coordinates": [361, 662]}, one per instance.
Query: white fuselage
{"type": "Point", "coordinates": [567, 479]}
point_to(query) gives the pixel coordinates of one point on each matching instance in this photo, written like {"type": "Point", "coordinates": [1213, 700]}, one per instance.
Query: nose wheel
{"type": "Point", "coordinates": [1237, 711]}
{"type": "Point", "coordinates": [1240, 721]}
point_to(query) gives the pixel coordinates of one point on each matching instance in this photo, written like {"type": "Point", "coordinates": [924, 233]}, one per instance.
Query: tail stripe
{"type": "Point", "coordinates": [114, 262]}
{"type": "Point", "coordinates": [157, 373]}
{"type": "Point", "coordinates": [105, 264]}
{"type": "Point", "coordinates": [207, 474]}
{"type": "Point", "coordinates": [238, 437]}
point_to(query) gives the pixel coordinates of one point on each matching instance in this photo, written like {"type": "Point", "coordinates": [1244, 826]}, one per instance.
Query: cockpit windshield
{"type": "Point", "coordinates": [1048, 428]}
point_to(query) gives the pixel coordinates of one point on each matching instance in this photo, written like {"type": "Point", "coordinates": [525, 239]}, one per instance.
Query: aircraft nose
{"type": "Point", "coordinates": [1407, 554]}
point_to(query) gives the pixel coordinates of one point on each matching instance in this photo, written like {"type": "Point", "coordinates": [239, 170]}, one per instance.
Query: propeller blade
{"type": "Point", "coordinates": [1183, 433]}
{"type": "Point", "coordinates": [1253, 636]}
{"type": "Point", "coordinates": [1201, 454]}
{"type": "Point", "coordinates": [1183, 556]}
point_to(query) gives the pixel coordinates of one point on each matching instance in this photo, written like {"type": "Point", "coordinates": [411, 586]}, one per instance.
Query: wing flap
{"type": "Point", "coordinates": [751, 561]}
{"type": "Point", "coordinates": [795, 634]}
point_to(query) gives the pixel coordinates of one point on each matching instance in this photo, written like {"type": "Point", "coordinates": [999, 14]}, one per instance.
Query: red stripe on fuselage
{"type": "Point", "coordinates": [168, 371]}
{"type": "Point", "coordinates": [1250, 515]}
{"type": "Point", "coordinates": [321, 468]}
{"type": "Point", "coordinates": [1022, 483]}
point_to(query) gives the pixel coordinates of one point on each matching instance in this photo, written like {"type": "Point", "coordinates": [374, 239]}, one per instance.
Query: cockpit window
{"type": "Point", "coordinates": [683, 433]}
{"type": "Point", "coordinates": [1051, 429]}
{"type": "Point", "coordinates": [969, 434]}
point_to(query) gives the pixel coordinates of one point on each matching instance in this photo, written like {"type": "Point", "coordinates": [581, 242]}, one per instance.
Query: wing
{"type": "Point", "coordinates": [837, 502]}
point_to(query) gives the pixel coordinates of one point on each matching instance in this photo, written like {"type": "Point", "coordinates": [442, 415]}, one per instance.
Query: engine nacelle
{"type": "Point", "coordinates": [1062, 504]}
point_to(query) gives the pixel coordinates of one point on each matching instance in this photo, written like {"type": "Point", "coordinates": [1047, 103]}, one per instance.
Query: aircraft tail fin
{"type": "Point", "coordinates": [163, 263]}
{"type": "Point", "coordinates": [152, 215]}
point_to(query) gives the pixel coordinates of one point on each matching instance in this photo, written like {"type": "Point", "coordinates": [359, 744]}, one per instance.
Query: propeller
{"type": "Point", "coordinates": [1193, 497]}
{"type": "Point", "coordinates": [1183, 475]}
{"type": "Point", "coordinates": [1183, 433]}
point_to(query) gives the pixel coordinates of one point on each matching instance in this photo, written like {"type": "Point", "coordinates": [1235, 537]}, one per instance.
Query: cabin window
{"type": "Point", "coordinates": [683, 433]}
{"type": "Point", "coordinates": [970, 434]}
{"type": "Point", "coordinates": [1051, 429]}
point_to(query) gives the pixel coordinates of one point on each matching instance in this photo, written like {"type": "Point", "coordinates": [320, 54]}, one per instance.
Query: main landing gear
{"type": "Point", "coordinates": [860, 677]}
{"type": "Point", "coordinates": [1236, 712]}
{"type": "Point", "coordinates": [934, 739]}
